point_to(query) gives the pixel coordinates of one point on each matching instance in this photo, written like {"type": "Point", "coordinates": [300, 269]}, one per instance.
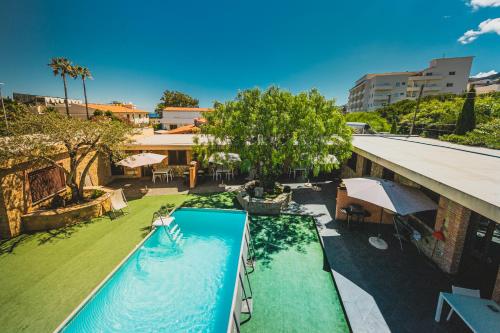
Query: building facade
{"type": "Point", "coordinates": [173, 117]}
{"type": "Point", "coordinates": [443, 76]}
{"type": "Point", "coordinates": [468, 211]}
{"type": "Point", "coordinates": [374, 91]}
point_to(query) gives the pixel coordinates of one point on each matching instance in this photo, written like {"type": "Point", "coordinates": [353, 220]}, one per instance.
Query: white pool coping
{"type": "Point", "coordinates": [120, 264]}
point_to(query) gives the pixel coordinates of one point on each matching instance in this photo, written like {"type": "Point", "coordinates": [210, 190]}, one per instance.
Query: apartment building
{"type": "Point", "coordinates": [374, 91]}
{"type": "Point", "coordinates": [174, 117]}
{"type": "Point", "coordinates": [444, 75]}
{"type": "Point", "coordinates": [485, 85]}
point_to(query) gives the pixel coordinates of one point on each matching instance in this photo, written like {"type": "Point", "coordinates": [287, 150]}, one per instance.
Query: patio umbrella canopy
{"type": "Point", "coordinates": [224, 157]}
{"type": "Point", "coordinates": [141, 159]}
{"type": "Point", "coordinates": [397, 198]}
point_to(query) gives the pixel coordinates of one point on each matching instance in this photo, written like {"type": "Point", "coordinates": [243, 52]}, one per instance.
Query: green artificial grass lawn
{"type": "Point", "coordinates": [291, 291]}
{"type": "Point", "coordinates": [46, 275]}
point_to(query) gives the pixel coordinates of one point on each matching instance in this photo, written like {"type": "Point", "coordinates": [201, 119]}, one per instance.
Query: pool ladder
{"type": "Point", "coordinates": [248, 268]}
{"type": "Point", "coordinates": [171, 227]}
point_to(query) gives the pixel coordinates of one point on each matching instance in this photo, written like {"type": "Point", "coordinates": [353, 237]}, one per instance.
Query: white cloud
{"type": "Point", "coordinates": [484, 74]}
{"type": "Point", "coordinates": [476, 4]}
{"type": "Point", "coordinates": [485, 27]}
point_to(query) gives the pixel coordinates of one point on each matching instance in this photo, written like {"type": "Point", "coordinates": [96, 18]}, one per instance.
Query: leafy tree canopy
{"type": "Point", "coordinates": [484, 135]}
{"type": "Point", "coordinates": [273, 130]}
{"type": "Point", "coordinates": [376, 122]}
{"type": "Point", "coordinates": [176, 98]}
{"type": "Point", "coordinates": [440, 113]}
{"type": "Point", "coordinates": [40, 137]}
{"type": "Point", "coordinates": [13, 111]}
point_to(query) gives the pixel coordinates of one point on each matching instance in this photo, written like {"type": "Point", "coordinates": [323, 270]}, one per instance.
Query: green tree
{"type": "Point", "coordinates": [373, 119]}
{"type": "Point", "coordinates": [37, 138]}
{"type": "Point", "coordinates": [62, 67]}
{"type": "Point", "coordinates": [14, 110]}
{"type": "Point", "coordinates": [84, 74]}
{"type": "Point", "coordinates": [394, 126]}
{"type": "Point", "coordinates": [176, 98]}
{"type": "Point", "coordinates": [274, 130]}
{"type": "Point", "coordinates": [484, 135]}
{"type": "Point", "coordinates": [466, 121]}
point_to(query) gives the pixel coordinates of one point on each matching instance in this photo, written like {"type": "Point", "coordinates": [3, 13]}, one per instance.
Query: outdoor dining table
{"type": "Point", "coordinates": [481, 315]}
{"type": "Point", "coordinates": [162, 173]}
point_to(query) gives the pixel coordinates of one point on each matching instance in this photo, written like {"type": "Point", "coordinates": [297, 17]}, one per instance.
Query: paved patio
{"type": "Point", "coordinates": [139, 187]}
{"type": "Point", "coordinates": [382, 291]}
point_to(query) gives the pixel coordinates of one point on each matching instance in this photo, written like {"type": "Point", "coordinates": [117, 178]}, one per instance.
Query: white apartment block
{"type": "Point", "coordinates": [173, 117]}
{"type": "Point", "coordinates": [444, 75]}
{"type": "Point", "coordinates": [374, 91]}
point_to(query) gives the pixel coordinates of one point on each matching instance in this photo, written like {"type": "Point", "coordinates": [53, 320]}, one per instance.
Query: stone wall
{"type": "Point", "coordinates": [56, 218]}
{"type": "Point", "coordinates": [15, 197]}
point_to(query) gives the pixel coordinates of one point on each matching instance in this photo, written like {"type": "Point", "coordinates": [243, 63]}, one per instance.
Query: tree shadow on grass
{"type": "Point", "coordinates": [224, 200]}
{"type": "Point", "coordinates": [273, 234]}
{"type": "Point", "coordinates": [50, 236]}
{"type": "Point", "coordinates": [8, 246]}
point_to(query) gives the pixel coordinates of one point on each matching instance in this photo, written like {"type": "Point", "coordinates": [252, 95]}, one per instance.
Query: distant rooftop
{"type": "Point", "coordinates": [185, 140]}
{"type": "Point", "coordinates": [175, 108]}
{"type": "Point", "coordinates": [465, 174]}
{"type": "Point", "coordinates": [116, 108]}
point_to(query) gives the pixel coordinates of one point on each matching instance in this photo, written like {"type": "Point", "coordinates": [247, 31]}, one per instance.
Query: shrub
{"type": "Point", "coordinates": [485, 135]}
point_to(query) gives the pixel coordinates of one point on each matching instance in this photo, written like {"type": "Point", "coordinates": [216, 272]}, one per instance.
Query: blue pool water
{"type": "Point", "coordinates": [167, 288]}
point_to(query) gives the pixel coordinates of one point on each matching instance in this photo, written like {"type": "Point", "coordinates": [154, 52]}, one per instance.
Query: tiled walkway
{"type": "Point", "coordinates": [382, 291]}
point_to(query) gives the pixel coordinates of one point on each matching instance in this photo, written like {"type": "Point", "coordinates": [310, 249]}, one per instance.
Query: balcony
{"type": "Point", "coordinates": [425, 77]}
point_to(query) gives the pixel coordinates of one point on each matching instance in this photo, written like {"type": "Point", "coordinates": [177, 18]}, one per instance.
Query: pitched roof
{"type": "Point", "coordinates": [175, 108]}
{"type": "Point", "coordinates": [115, 108]}
{"type": "Point", "coordinates": [188, 129]}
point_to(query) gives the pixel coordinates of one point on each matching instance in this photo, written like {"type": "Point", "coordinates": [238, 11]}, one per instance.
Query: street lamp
{"type": "Point", "coordinates": [3, 107]}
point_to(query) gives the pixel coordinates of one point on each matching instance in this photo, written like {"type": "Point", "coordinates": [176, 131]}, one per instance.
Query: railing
{"type": "Point", "coordinates": [240, 295]}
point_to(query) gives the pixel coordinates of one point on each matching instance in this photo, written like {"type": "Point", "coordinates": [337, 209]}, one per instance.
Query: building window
{"type": "Point", "coordinates": [45, 183]}
{"type": "Point", "coordinates": [116, 170]}
{"type": "Point", "coordinates": [352, 161]}
{"type": "Point", "coordinates": [173, 127]}
{"type": "Point", "coordinates": [451, 73]}
{"type": "Point", "coordinates": [449, 84]}
{"type": "Point", "coordinates": [367, 167]}
{"type": "Point", "coordinates": [397, 84]}
{"type": "Point", "coordinates": [177, 157]}
{"type": "Point", "coordinates": [428, 74]}
{"type": "Point", "coordinates": [388, 174]}
{"type": "Point", "coordinates": [403, 83]}
{"type": "Point", "coordinates": [401, 94]}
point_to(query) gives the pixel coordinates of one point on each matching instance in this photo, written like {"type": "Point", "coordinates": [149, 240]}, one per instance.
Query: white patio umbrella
{"type": "Point", "coordinates": [141, 159]}
{"type": "Point", "coordinates": [328, 159]}
{"type": "Point", "coordinates": [224, 157]}
{"type": "Point", "coordinates": [397, 198]}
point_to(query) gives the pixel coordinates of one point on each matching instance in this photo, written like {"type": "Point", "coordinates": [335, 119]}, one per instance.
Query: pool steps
{"type": "Point", "coordinates": [168, 223]}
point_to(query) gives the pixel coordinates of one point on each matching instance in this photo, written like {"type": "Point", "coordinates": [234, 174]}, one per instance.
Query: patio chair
{"type": "Point", "coordinates": [465, 292]}
{"type": "Point", "coordinates": [118, 202]}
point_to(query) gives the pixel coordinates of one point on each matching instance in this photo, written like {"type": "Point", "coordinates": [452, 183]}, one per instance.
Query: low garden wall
{"type": "Point", "coordinates": [264, 206]}
{"type": "Point", "coordinates": [56, 218]}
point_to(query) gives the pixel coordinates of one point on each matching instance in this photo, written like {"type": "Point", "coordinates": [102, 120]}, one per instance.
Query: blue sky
{"type": "Point", "coordinates": [212, 49]}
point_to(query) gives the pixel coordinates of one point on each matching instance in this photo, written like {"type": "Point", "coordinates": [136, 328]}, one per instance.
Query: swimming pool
{"type": "Point", "coordinates": [162, 287]}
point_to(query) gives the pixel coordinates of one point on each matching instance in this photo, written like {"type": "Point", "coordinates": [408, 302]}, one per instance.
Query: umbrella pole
{"type": "Point", "coordinates": [378, 242]}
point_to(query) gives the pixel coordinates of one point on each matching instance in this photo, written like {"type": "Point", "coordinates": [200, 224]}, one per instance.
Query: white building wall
{"type": "Point", "coordinates": [178, 118]}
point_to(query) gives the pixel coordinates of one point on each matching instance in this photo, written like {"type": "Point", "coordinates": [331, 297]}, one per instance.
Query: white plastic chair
{"type": "Point", "coordinates": [118, 202]}
{"type": "Point", "coordinates": [464, 292]}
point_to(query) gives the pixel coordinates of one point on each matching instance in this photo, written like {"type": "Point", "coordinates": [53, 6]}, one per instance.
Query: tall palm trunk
{"type": "Point", "coordinates": [85, 95]}
{"type": "Point", "coordinates": [65, 95]}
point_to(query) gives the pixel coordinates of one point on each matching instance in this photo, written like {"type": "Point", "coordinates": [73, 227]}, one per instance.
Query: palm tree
{"type": "Point", "coordinates": [63, 67]}
{"type": "Point", "coordinates": [84, 73]}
